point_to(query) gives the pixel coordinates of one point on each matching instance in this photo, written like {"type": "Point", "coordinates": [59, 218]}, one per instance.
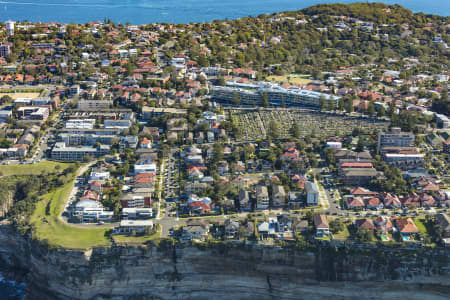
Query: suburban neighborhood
{"type": "Point", "coordinates": [175, 133]}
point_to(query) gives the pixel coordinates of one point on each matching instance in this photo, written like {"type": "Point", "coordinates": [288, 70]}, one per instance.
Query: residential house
{"type": "Point", "coordinates": [278, 195]}
{"type": "Point", "coordinates": [365, 224]}
{"type": "Point", "coordinates": [354, 203]}
{"type": "Point", "coordinates": [244, 200]}
{"type": "Point", "coordinates": [267, 229]}
{"type": "Point", "coordinates": [247, 229]}
{"type": "Point", "coordinates": [222, 167]}
{"type": "Point", "coordinates": [383, 224]}
{"type": "Point", "coordinates": [444, 221]}
{"type": "Point", "coordinates": [406, 226]}
{"type": "Point", "coordinates": [299, 225]}
{"type": "Point", "coordinates": [231, 229]}
{"type": "Point", "coordinates": [362, 192]}
{"type": "Point", "coordinates": [146, 143]}
{"type": "Point", "coordinates": [390, 201]}
{"type": "Point", "coordinates": [194, 187]}
{"type": "Point", "coordinates": [373, 203]}
{"type": "Point", "coordinates": [195, 230]}
{"type": "Point", "coordinates": [133, 226]}
{"type": "Point", "coordinates": [411, 200]}
{"type": "Point", "coordinates": [294, 199]}
{"type": "Point", "coordinates": [321, 225]}
{"type": "Point", "coordinates": [262, 197]}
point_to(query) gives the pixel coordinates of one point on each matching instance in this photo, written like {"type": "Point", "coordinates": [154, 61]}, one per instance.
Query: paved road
{"type": "Point", "coordinates": [63, 216]}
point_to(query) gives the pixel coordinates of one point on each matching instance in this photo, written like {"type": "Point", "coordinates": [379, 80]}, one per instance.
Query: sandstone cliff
{"type": "Point", "coordinates": [224, 272]}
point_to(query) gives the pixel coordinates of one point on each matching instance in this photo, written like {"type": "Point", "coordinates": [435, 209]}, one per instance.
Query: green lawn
{"type": "Point", "coordinates": [421, 226]}
{"type": "Point", "coordinates": [137, 239]}
{"type": "Point", "coordinates": [342, 235]}
{"type": "Point", "coordinates": [325, 238]}
{"type": "Point", "coordinates": [36, 169]}
{"type": "Point", "coordinates": [48, 226]}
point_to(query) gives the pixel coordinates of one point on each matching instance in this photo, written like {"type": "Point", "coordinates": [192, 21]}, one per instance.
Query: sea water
{"type": "Point", "coordinates": [11, 290]}
{"type": "Point", "coordinates": [172, 11]}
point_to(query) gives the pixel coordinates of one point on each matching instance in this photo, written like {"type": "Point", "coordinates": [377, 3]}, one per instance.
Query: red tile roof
{"type": "Point", "coordinates": [406, 225]}
{"type": "Point", "coordinates": [356, 165]}
{"type": "Point", "coordinates": [365, 224]}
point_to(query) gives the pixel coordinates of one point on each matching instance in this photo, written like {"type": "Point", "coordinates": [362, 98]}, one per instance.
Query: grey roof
{"type": "Point", "coordinates": [444, 221]}
{"type": "Point", "coordinates": [360, 172]}
{"type": "Point", "coordinates": [311, 187]}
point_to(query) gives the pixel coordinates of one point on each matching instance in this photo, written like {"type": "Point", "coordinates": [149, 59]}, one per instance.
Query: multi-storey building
{"type": "Point", "coordinates": [61, 152]}
{"type": "Point", "coordinates": [251, 94]}
{"type": "Point", "coordinates": [395, 138]}
{"type": "Point", "coordinates": [5, 50]}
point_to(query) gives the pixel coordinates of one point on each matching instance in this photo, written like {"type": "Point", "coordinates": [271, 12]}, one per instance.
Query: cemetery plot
{"type": "Point", "coordinates": [254, 122]}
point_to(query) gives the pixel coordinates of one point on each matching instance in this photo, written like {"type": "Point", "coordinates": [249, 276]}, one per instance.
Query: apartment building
{"type": "Point", "coordinates": [150, 112]}
{"type": "Point", "coordinates": [251, 94]}
{"type": "Point", "coordinates": [395, 138]}
{"type": "Point", "coordinates": [5, 50]}
{"type": "Point", "coordinates": [94, 104]}
{"type": "Point", "coordinates": [67, 153]}
{"type": "Point", "coordinates": [262, 197]}
{"type": "Point", "coordinates": [312, 193]}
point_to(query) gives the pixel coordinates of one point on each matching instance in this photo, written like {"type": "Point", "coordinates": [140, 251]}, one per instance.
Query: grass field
{"type": "Point", "coordinates": [293, 79]}
{"type": "Point", "coordinates": [36, 169]}
{"type": "Point", "coordinates": [21, 95]}
{"type": "Point", "coordinates": [48, 225]}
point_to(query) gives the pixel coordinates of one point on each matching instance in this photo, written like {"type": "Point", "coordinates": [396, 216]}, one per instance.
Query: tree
{"type": "Point", "coordinates": [364, 235]}
{"type": "Point", "coordinates": [381, 111]}
{"type": "Point", "coordinates": [360, 145]}
{"type": "Point", "coordinates": [6, 99]}
{"type": "Point", "coordinates": [341, 104]}
{"type": "Point", "coordinates": [4, 143]}
{"type": "Point", "coordinates": [331, 105]}
{"type": "Point", "coordinates": [350, 106]}
{"type": "Point", "coordinates": [221, 81]}
{"type": "Point", "coordinates": [295, 131]}
{"type": "Point", "coordinates": [236, 99]}
{"type": "Point", "coordinates": [336, 226]}
{"type": "Point", "coordinates": [371, 109]}
{"type": "Point", "coordinates": [273, 132]}
{"type": "Point", "coordinates": [322, 102]}
{"type": "Point", "coordinates": [264, 100]}
{"type": "Point", "coordinates": [217, 152]}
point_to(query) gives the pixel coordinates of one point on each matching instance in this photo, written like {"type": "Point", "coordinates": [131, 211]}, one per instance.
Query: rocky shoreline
{"type": "Point", "coordinates": [222, 271]}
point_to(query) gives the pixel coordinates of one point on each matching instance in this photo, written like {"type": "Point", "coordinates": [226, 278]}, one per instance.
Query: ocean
{"type": "Point", "coordinates": [11, 290]}
{"type": "Point", "coordinates": [171, 11]}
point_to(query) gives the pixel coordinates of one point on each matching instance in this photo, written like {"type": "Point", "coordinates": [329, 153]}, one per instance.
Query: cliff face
{"type": "Point", "coordinates": [6, 202]}
{"type": "Point", "coordinates": [223, 272]}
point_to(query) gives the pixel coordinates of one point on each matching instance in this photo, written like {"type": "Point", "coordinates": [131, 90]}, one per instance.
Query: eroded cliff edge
{"type": "Point", "coordinates": [220, 271]}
